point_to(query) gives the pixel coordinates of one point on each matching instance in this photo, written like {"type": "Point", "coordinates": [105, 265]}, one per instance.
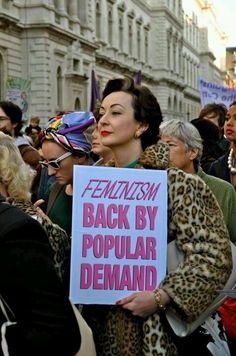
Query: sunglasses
{"type": "Point", "coordinates": [55, 163]}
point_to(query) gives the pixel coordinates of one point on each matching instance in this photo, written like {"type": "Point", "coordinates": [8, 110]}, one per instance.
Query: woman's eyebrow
{"type": "Point", "coordinates": [102, 107]}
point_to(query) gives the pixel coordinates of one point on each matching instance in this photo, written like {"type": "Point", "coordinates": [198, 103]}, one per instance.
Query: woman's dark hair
{"type": "Point", "coordinates": [217, 109]}
{"type": "Point", "coordinates": [146, 107]}
{"type": "Point", "coordinates": [14, 113]}
{"type": "Point", "coordinates": [208, 131]}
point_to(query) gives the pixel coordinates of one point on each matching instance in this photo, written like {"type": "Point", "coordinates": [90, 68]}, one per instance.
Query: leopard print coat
{"type": "Point", "coordinates": [58, 238]}
{"type": "Point", "coordinates": [197, 225]}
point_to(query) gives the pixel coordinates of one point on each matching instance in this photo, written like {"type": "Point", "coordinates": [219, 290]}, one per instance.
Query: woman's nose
{"type": "Point", "coordinates": [51, 171]}
{"type": "Point", "coordinates": [103, 119]}
{"type": "Point", "coordinates": [228, 122]}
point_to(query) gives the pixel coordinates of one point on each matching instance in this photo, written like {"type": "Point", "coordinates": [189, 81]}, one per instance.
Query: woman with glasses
{"type": "Point", "coordinates": [66, 141]}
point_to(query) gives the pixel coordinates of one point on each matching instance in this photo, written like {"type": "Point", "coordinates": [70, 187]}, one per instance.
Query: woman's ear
{"type": "Point", "coordinates": [84, 160]}
{"type": "Point", "coordinates": [193, 152]}
{"type": "Point", "coordinates": [143, 127]}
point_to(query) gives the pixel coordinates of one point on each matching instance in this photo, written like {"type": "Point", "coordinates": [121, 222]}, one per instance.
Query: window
{"type": "Point", "coordinates": [59, 88]}
{"type": "Point", "coordinates": [146, 42]}
{"type": "Point", "coordinates": [139, 41]}
{"type": "Point", "coordinates": [174, 56]}
{"type": "Point", "coordinates": [98, 20]}
{"type": "Point", "coordinates": [56, 6]}
{"type": "Point", "coordinates": [5, 4]}
{"type": "Point", "coordinates": [1, 77]}
{"type": "Point", "coordinates": [175, 104]}
{"type": "Point", "coordinates": [75, 65]}
{"type": "Point", "coordinates": [77, 104]}
{"type": "Point", "coordinates": [121, 32]}
{"type": "Point", "coordinates": [130, 35]}
{"type": "Point", "coordinates": [110, 26]}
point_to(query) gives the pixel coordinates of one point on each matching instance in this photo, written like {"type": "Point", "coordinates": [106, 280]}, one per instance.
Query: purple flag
{"type": "Point", "coordinates": [95, 96]}
{"type": "Point", "coordinates": [138, 78]}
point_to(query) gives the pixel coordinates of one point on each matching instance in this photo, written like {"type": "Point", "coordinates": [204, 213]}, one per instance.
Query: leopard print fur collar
{"type": "Point", "coordinates": [154, 157]}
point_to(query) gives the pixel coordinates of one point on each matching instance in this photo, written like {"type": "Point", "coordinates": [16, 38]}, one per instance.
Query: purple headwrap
{"type": "Point", "coordinates": [71, 130]}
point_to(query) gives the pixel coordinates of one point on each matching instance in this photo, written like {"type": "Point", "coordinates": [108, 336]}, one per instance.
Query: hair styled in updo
{"type": "Point", "coordinates": [146, 107]}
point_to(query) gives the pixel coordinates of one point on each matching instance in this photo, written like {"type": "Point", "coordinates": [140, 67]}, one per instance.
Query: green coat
{"type": "Point", "coordinates": [226, 197]}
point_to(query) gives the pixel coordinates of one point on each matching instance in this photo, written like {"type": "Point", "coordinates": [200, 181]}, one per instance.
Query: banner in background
{"type": "Point", "coordinates": [214, 93]}
{"type": "Point", "coordinates": [119, 233]}
{"type": "Point", "coordinates": [18, 92]}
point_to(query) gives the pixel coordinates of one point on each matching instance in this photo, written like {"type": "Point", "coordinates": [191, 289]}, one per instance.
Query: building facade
{"type": "Point", "coordinates": [231, 67]}
{"type": "Point", "coordinates": [48, 49]}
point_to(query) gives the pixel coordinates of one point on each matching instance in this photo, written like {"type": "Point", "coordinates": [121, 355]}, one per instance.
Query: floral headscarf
{"type": "Point", "coordinates": [71, 130]}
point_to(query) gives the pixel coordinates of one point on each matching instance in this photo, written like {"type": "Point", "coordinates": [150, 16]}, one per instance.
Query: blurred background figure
{"type": "Point", "coordinates": [103, 153]}
{"type": "Point", "coordinates": [11, 123]}
{"type": "Point", "coordinates": [210, 135]}
{"type": "Point", "coordinates": [225, 166]}
{"type": "Point", "coordinates": [216, 113]}
{"type": "Point", "coordinates": [33, 130]}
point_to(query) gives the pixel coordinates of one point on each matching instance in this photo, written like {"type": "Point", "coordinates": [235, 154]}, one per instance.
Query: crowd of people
{"type": "Point", "coordinates": [36, 190]}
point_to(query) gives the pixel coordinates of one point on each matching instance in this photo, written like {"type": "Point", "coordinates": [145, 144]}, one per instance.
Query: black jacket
{"type": "Point", "coordinates": [29, 284]}
{"type": "Point", "coordinates": [220, 169]}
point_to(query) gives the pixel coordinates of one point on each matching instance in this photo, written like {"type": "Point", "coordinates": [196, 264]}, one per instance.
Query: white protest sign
{"type": "Point", "coordinates": [214, 93]}
{"type": "Point", "coordinates": [119, 233]}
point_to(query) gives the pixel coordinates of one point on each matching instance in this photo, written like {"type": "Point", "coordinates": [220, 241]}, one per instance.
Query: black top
{"type": "Point", "coordinates": [220, 169]}
{"type": "Point", "coordinates": [46, 324]}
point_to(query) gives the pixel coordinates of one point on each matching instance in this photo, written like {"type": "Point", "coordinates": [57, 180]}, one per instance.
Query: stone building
{"type": "Point", "coordinates": [48, 49]}
{"type": "Point", "coordinates": [231, 67]}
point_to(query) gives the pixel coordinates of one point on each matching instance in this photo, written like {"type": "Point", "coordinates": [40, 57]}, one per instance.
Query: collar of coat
{"type": "Point", "coordinates": [154, 157]}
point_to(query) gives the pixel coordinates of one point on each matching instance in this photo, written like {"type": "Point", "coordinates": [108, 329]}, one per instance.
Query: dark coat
{"type": "Point", "coordinates": [29, 284]}
{"type": "Point", "coordinates": [220, 169]}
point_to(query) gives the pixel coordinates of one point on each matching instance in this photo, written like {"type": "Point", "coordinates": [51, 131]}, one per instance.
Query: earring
{"type": "Point", "coordinates": [136, 135]}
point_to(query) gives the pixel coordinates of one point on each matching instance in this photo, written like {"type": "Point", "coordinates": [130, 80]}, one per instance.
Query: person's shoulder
{"type": "Point", "coordinates": [181, 183]}
{"type": "Point", "coordinates": [15, 219]}
{"type": "Point", "coordinates": [7, 209]}
{"type": "Point", "coordinates": [223, 185]}
{"type": "Point", "coordinates": [221, 159]}
{"type": "Point", "coordinates": [13, 212]}
{"type": "Point", "coordinates": [179, 176]}
{"type": "Point", "coordinates": [155, 156]}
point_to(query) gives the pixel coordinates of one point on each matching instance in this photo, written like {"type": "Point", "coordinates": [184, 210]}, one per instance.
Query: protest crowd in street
{"type": "Point", "coordinates": [117, 230]}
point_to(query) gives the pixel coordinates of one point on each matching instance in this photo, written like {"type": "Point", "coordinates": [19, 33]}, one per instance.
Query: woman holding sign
{"type": "Point", "coordinates": [129, 124]}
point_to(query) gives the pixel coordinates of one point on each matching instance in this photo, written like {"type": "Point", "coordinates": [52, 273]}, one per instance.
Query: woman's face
{"type": "Point", "coordinates": [117, 124]}
{"type": "Point", "coordinates": [51, 151]}
{"type": "Point", "coordinates": [213, 117]}
{"type": "Point", "coordinates": [230, 124]}
{"type": "Point", "coordinates": [179, 156]}
{"type": "Point", "coordinates": [97, 147]}
{"type": "Point", "coordinates": [6, 125]}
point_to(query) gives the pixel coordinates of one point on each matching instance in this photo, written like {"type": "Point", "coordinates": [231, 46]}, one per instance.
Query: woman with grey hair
{"type": "Point", "coordinates": [185, 152]}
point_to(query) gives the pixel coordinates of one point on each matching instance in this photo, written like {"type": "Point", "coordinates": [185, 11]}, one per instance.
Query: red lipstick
{"type": "Point", "coordinates": [105, 133]}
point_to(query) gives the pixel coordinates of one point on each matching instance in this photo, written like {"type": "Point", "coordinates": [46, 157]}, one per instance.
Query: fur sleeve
{"type": "Point", "coordinates": [197, 224]}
